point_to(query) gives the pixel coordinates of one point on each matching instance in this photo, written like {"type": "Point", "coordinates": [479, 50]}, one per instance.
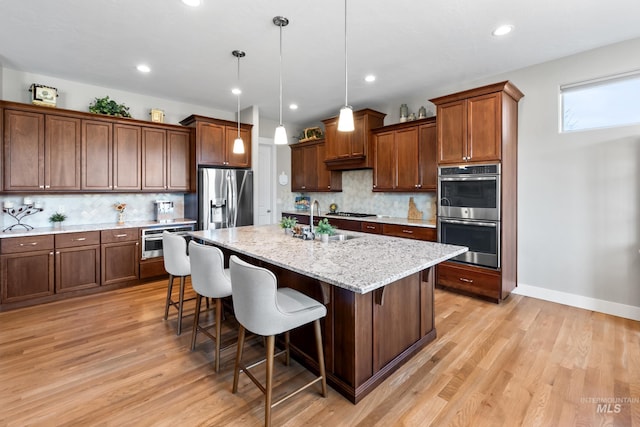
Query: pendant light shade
{"type": "Point", "coordinates": [238, 143]}
{"type": "Point", "coordinates": [345, 121]}
{"type": "Point", "coordinates": [280, 137]}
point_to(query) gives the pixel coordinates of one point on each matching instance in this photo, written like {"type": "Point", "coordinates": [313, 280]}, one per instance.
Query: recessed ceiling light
{"type": "Point", "coordinates": [370, 78]}
{"type": "Point", "coordinates": [236, 91]}
{"type": "Point", "coordinates": [192, 3]}
{"type": "Point", "coordinates": [143, 68]}
{"type": "Point", "coordinates": [293, 106]}
{"type": "Point", "coordinates": [502, 30]}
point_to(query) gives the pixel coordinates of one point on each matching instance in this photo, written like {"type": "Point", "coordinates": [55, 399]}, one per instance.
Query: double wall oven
{"type": "Point", "coordinates": [469, 212]}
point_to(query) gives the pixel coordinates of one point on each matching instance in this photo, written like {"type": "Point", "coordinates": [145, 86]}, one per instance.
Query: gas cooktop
{"type": "Point", "coordinates": [352, 214]}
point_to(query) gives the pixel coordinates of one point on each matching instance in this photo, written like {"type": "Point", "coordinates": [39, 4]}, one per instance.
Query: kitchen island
{"type": "Point", "coordinates": [378, 291]}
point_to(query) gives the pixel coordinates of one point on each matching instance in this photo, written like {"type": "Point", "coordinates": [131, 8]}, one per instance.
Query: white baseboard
{"type": "Point", "coordinates": [587, 303]}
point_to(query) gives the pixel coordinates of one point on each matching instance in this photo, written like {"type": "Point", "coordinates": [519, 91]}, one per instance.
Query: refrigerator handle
{"type": "Point", "coordinates": [232, 205]}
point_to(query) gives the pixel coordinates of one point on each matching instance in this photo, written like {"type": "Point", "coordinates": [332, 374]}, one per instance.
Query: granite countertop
{"type": "Point", "coordinates": [360, 265]}
{"type": "Point", "coordinates": [21, 232]}
{"type": "Point", "coordinates": [382, 219]}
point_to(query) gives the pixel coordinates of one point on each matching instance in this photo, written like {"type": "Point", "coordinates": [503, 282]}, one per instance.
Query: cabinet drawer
{"type": "Point", "coordinates": [418, 233]}
{"type": "Point", "coordinates": [119, 235]}
{"type": "Point", "coordinates": [14, 245]}
{"type": "Point", "coordinates": [471, 279]}
{"type": "Point", "coordinates": [70, 240]}
{"type": "Point", "coordinates": [371, 227]}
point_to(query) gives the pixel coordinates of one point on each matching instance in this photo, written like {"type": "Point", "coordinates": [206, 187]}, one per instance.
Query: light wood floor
{"type": "Point", "coordinates": [111, 360]}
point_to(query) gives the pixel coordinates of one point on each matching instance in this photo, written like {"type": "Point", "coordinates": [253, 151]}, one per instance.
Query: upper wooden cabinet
{"type": "Point", "coordinates": [351, 150]}
{"type": "Point", "coordinates": [47, 149]}
{"type": "Point", "coordinates": [214, 141]}
{"type": "Point", "coordinates": [476, 125]}
{"type": "Point", "coordinates": [404, 157]}
{"type": "Point", "coordinates": [308, 170]}
{"type": "Point", "coordinates": [165, 160]}
{"type": "Point", "coordinates": [41, 152]}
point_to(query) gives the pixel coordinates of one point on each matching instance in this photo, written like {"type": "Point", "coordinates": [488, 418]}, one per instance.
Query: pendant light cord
{"type": "Point", "coordinates": [280, 25]}
{"type": "Point", "coordinates": [239, 97]}
{"type": "Point", "coordinates": [346, 75]}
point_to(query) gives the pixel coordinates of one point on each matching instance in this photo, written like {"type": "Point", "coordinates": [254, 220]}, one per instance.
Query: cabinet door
{"type": "Point", "coordinates": [427, 164]}
{"type": "Point", "coordinates": [119, 262]}
{"type": "Point", "coordinates": [154, 166]}
{"type": "Point", "coordinates": [210, 144]}
{"type": "Point", "coordinates": [23, 151]}
{"type": "Point", "coordinates": [331, 140]}
{"type": "Point", "coordinates": [26, 275]}
{"type": "Point", "coordinates": [178, 160]}
{"type": "Point", "coordinates": [238, 160]}
{"type": "Point", "coordinates": [485, 134]}
{"type": "Point", "coordinates": [384, 168]}
{"type": "Point", "coordinates": [77, 268]}
{"type": "Point", "coordinates": [406, 159]}
{"type": "Point", "coordinates": [358, 138]}
{"type": "Point", "coordinates": [62, 153]}
{"type": "Point", "coordinates": [327, 180]}
{"type": "Point", "coordinates": [297, 169]}
{"type": "Point", "coordinates": [126, 157]}
{"type": "Point", "coordinates": [452, 132]}
{"type": "Point", "coordinates": [97, 155]}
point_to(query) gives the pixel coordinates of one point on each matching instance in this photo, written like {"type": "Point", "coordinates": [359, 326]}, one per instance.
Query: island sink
{"type": "Point", "coordinates": [342, 237]}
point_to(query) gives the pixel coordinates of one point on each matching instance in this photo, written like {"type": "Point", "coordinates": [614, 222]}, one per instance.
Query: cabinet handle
{"type": "Point", "coordinates": [121, 235]}
{"type": "Point", "coordinates": [407, 231]}
{"type": "Point", "coordinates": [370, 227]}
{"type": "Point", "coordinates": [463, 279]}
{"type": "Point", "coordinates": [28, 244]}
{"type": "Point", "coordinates": [41, 186]}
{"type": "Point", "coordinates": [47, 186]}
{"type": "Point", "coordinates": [80, 239]}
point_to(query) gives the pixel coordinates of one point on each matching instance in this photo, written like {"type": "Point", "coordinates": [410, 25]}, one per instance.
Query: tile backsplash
{"type": "Point", "coordinates": [356, 196]}
{"type": "Point", "coordinates": [90, 208]}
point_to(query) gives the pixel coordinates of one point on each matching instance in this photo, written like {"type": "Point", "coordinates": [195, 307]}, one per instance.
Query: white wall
{"type": "Point", "coordinates": [578, 193]}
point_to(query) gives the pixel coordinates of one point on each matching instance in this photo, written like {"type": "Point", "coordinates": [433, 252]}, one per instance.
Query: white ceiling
{"type": "Point", "coordinates": [412, 47]}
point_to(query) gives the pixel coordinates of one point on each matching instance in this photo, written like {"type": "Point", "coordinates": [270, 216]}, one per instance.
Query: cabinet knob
{"type": "Point", "coordinates": [57, 252]}
{"type": "Point", "coordinates": [41, 186]}
{"type": "Point", "coordinates": [47, 186]}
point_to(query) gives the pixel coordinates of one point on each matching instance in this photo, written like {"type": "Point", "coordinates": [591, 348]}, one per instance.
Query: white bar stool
{"type": "Point", "coordinates": [176, 262]}
{"type": "Point", "coordinates": [209, 279]}
{"type": "Point", "coordinates": [260, 307]}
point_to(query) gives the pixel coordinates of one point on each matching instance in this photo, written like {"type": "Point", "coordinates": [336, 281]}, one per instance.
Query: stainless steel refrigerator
{"type": "Point", "coordinates": [225, 198]}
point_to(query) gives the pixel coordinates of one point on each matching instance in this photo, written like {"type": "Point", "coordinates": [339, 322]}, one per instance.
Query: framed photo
{"type": "Point", "coordinates": [43, 95]}
{"type": "Point", "coordinates": [157, 116]}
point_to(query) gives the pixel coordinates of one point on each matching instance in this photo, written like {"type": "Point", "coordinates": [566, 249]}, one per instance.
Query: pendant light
{"type": "Point", "coordinates": [238, 143]}
{"type": "Point", "coordinates": [345, 121]}
{"type": "Point", "coordinates": [280, 137]}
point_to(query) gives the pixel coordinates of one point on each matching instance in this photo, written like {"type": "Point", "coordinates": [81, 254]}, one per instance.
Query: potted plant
{"type": "Point", "coordinates": [324, 229]}
{"type": "Point", "coordinates": [57, 219]}
{"type": "Point", "coordinates": [288, 222]}
{"type": "Point", "coordinates": [109, 107]}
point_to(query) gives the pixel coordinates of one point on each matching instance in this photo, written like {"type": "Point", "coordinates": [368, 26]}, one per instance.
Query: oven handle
{"type": "Point", "coordinates": [469, 178]}
{"type": "Point", "coordinates": [479, 223]}
{"type": "Point", "coordinates": [150, 239]}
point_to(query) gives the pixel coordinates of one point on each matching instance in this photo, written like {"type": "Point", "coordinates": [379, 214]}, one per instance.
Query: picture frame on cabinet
{"type": "Point", "coordinates": [43, 95]}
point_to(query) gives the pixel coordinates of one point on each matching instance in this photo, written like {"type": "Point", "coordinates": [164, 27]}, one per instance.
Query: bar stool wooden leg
{"type": "Point", "coordinates": [168, 302]}
{"type": "Point", "coordinates": [287, 359]}
{"type": "Point", "coordinates": [196, 322]}
{"type": "Point", "coordinates": [218, 332]}
{"type": "Point", "coordinates": [180, 304]}
{"type": "Point", "coordinates": [269, 387]}
{"type": "Point", "coordinates": [236, 370]}
{"type": "Point", "coordinates": [316, 326]}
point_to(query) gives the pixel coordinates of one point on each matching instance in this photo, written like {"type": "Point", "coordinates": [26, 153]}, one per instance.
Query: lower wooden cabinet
{"type": "Point", "coordinates": [27, 268]}
{"type": "Point", "coordinates": [120, 255]}
{"type": "Point", "coordinates": [77, 261]}
{"type": "Point", "coordinates": [471, 279]}
{"type": "Point", "coordinates": [410, 232]}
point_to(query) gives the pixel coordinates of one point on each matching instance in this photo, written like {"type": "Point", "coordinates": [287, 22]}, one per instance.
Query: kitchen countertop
{"type": "Point", "coordinates": [21, 232]}
{"type": "Point", "coordinates": [360, 265]}
{"type": "Point", "coordinates": [380, 219]}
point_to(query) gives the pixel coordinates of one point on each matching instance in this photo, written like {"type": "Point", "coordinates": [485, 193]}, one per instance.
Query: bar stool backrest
{"type": "Point", "coordinates": [174, 252]}
{"type": "Point", "coordinates": [208, 277]}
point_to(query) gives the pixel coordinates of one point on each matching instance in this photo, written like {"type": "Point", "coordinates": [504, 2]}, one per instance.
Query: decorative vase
{"type": "Point", "coordinates": [422, 112]}
{"type": "Point", "coordinates": [120, 217]}
{"type": "Point", "coordinates": [287, 230]}
{"type": "Point", "coordinates": [57, 225]}
{"type": "Point", "coordinates": [404, 112]}
{"type": "Point", "coordinates": [324, 238]}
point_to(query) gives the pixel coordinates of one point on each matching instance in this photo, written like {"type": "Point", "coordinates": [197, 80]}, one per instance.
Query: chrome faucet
{"type": "Point", "coordinates": [317, 205]}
